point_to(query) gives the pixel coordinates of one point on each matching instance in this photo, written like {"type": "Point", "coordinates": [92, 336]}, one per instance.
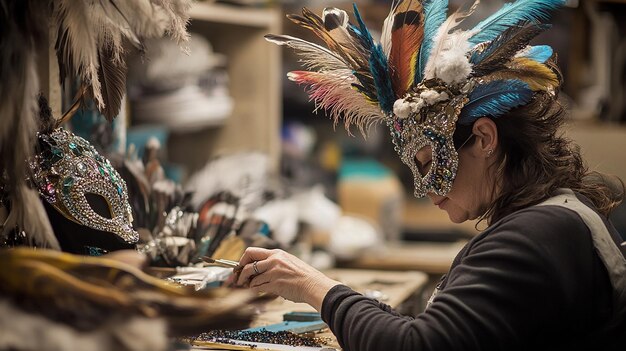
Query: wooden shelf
{"type": "Point", "coordinates": [240, 16]}
{"type": "Point", "coordinates": [254, 70]}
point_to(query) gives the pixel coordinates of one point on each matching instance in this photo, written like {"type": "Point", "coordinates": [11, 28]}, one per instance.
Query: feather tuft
{"type": "Point", "coordinates": [448, 55]}
{"type": "Point", "coordinates": [494, 99]}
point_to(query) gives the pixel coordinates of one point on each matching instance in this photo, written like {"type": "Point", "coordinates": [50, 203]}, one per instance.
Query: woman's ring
{"type": "Point", "coordinates": [256, 269]}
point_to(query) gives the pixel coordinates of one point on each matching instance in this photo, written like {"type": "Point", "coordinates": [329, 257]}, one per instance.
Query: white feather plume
{"type": "Point", "coordinates": [385, 38]}
{"type": "Point", "coordinates": [449, 49]}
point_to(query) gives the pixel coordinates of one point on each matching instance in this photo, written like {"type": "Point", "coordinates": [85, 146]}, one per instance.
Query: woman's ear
{"type": "Point", "coordinates": [486, 133]}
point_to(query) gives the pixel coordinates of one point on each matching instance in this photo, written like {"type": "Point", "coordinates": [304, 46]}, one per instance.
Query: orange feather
{"type": "Point", "coordinates": [407, 34]}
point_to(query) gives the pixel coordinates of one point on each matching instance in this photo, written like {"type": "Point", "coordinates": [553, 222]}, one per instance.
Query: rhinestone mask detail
{"type": "Point", "coordinates": [427, 116]}
{"type": "Point", "coordinates": [66, 168]}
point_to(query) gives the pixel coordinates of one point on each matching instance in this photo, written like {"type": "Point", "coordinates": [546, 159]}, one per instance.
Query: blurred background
{"type": "Point", "coordinates": [223, 125]}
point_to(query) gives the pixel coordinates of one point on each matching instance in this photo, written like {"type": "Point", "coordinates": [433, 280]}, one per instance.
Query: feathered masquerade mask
{"type": "Point", "coordinates": [425, 75]}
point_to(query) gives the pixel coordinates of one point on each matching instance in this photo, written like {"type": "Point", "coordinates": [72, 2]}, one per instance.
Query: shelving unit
{"type": "Point", "coordinates": [254, 68]}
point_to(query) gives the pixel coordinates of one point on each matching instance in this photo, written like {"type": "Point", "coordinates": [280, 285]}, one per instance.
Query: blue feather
{"type": "Point", "coordinates": [539, 53]}
{"type": "Point", "coordinates": [513, 13]}
{"type": "Point", "coordinates": [435, 14]}
{"type": "Point", "coordinates": [362, 32]}
{"type": "Point", "coordinates": [382, 80]}
{"type": "Point", "coordinates": [495, 99]}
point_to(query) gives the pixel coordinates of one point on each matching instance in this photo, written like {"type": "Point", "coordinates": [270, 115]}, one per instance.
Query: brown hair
{"type": "Point", "coordinates": [535, 159]}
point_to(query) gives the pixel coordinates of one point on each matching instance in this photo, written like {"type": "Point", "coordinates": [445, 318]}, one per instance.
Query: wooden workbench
{"type": "Point", "coordinates": [396, 288]}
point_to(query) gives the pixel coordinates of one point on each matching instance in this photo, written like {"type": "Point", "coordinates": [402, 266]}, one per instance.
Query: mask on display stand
{"type": "Point", "coordinates": [82, 187]}
{"type": "Point", "coordinates": [85, 207]}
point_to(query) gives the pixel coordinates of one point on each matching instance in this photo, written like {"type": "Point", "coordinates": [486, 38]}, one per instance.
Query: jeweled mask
{"type": "Point", "coordinates": [427, 117]}
{"type": "Point", "coordinates": [66, 168]}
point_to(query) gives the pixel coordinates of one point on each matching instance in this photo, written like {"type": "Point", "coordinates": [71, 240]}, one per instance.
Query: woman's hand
{"type": "Point", "coordinates": [280, 273]}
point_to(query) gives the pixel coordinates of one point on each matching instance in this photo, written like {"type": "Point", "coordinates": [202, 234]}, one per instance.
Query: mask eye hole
{"type": "Point", "coordinates": [423, 160]}
{"type": "Point", "coordinates": [99, 205]}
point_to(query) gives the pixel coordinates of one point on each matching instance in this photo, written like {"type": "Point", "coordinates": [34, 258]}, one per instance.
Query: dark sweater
{"type": "Point", "coordinates": [532, 281]}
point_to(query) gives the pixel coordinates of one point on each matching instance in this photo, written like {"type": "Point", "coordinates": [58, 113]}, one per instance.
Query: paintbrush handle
{"type": "Point", "coordinates": [227, 263]}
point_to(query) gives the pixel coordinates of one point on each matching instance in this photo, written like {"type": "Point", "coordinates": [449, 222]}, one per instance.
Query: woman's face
{"type": "Point", "coordinates": [471, 191]}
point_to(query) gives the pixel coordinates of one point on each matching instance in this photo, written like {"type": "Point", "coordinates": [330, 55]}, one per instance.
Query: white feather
{"type": "Point", "coordinates": [313, 56]}
{"type": "Point", "coordinates": [385, 38]}
{"type": "Point", "coordinates": [444, 43]}
{"type": "Point", "coordinates": [452, 65]}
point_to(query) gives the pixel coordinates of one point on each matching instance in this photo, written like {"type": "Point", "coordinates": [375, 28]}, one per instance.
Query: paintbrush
{"type": "Point", "coordinates": [222, 262]}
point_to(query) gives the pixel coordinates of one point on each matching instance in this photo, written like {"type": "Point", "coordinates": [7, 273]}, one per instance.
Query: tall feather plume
{"type": "Point", "coordinates": [499, 51]}
{"type": "Point", "coordinates": [332, 91]}
{"type": "Point", "coordinates": [495, 99]}
{"type": "Point", "coordinates": [407, 33]}
{"type": "Point", "coordinates": [435, 14]}
{"type": "Point", "coordinates": [22, 28]}
{"type": "Point", "coordinates": [539, 77]}
{"type": "Point", "coordinates": [512, 14]}
{"type": "Point", "coordinates": [443, 40]}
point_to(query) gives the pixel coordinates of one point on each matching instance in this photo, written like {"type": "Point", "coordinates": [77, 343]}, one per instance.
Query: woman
{"type": "Point", "coordinates": [478, 124]}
